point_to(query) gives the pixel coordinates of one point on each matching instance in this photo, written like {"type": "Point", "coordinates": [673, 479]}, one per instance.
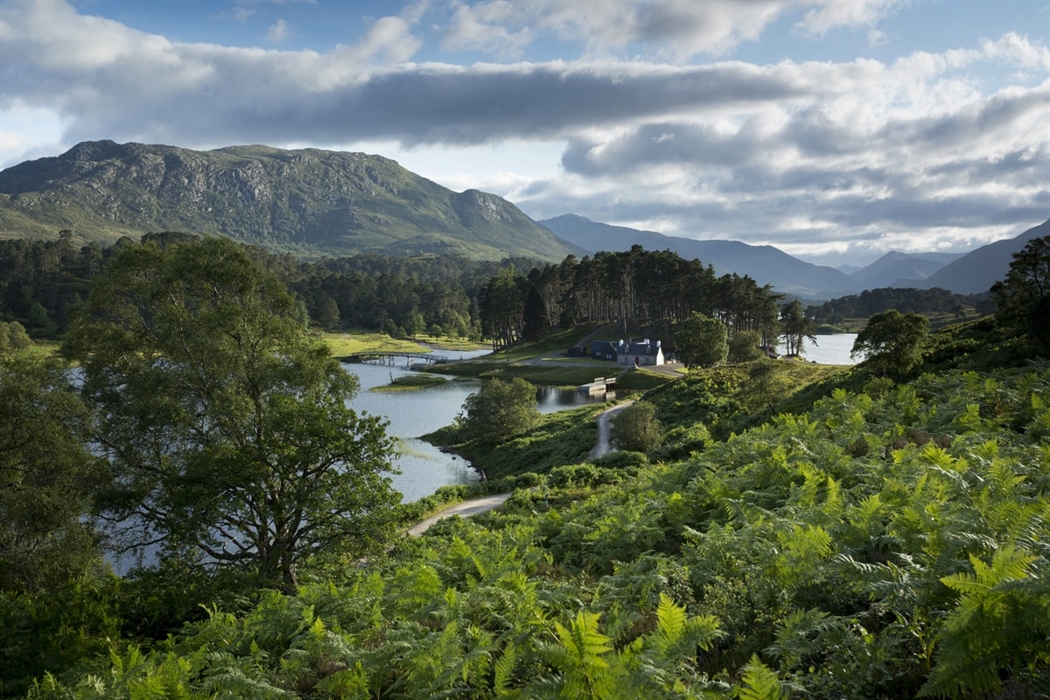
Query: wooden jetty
{"type": "Point", "coordinates": [599, 386]}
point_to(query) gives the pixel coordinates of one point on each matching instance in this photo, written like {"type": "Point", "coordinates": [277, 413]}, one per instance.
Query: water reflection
{"type": "Point", "coordinates": [550, 399]}
{"type": "Point", "coordinates": [423, 467]}
{"type": "Point", "coordinates": [831, 349]}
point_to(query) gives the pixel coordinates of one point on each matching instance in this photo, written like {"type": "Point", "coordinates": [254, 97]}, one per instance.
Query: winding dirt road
{"type": "Point", "coordinates": [475, 506]}
{"type": "Point", "coordinates": [465, 509]}
{"type": "Point", "coordinates": [604, 447]}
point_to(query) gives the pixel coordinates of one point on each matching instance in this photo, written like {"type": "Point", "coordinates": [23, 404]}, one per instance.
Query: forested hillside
{"type": "Point", "coordinates": [642, 292]}
{"type": "Point", "coordinates": [871, 534]}
{"type": "Point", "coordinates": [938, 303]}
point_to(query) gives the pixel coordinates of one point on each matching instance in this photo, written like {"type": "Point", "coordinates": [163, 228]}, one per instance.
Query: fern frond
{"type": "Point", "coordinates": [759, 682]}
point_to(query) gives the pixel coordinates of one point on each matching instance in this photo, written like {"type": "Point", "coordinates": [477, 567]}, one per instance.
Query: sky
{"type": "Point", "coordinates": [834, 130]}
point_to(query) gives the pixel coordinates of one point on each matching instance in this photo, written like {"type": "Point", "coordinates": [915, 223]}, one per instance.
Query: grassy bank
{"type": "Point", "coordinates": [551, 374]}
{"type": "Point", "coordinates": [412, 382]}
{"type": "Point", "coordinates": [355, 342]}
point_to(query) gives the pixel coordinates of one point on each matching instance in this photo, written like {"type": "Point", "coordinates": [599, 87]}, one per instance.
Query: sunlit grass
{"type": "Point", "coordinates": [355, 342]}
{"type": "Point", "coordinates": [413, 382]}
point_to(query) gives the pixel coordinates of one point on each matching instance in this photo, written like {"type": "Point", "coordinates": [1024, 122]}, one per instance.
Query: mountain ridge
{"type": "Point", "coordinates": [979, 269]}
{"type": "Point", "coordinates": [328, 201]}
{"type": "Point", "coordinates": [314, 202]}
{"type": "Point", "coordinates": [895, 266]}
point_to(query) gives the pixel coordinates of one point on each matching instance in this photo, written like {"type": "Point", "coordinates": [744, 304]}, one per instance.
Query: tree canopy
{"type": "Point", "coordinates": [499, 411]}
{"type": "Point", "coordinates": [226, 426]}
{"type": "Point", "coordinates": [47, 477]}
{"type": "Point", "coordinates": [796, 328]}
{"type": "Point", "coordinates": [1023, 298]}
{"type": "Point", "coordinates": [701, 341]}
{"type": "Point", "coordinates": [892, 342]}
{"type": "Point", "coordinates": [636, 428]}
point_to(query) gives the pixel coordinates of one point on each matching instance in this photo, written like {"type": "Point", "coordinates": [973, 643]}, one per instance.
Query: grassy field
{"type": "Point", "coordinates": [559, 341]}
{"type": "Point", "coordinates": [354, 342]}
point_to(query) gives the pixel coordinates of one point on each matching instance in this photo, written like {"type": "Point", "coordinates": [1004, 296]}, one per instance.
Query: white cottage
{"type": "Point", "coordinates": [647, 353]}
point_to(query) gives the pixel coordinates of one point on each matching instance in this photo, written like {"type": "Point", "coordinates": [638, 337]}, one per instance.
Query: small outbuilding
{"type": "Point", "coordinates": [604, 350]}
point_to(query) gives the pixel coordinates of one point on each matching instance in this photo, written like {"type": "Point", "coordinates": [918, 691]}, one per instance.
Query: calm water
{"type": "Point", "coordinates": [831, 349]}
{"type": "Point", "coordinates": [424, 468]}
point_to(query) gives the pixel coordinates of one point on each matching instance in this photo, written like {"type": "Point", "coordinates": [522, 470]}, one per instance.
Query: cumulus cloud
{"type": "Point", "coordinates": [672, 30]}
{"type": "Point", "coordinates": [484, 28]}
{"type": "Point", "coordinates": [794, 153]}
{"type": "Point", "coordinates": [835, 13]}
{"type": "Point", "coordinates": [279, 31]}
{"type": "Point", "coordinates": [676, 30]}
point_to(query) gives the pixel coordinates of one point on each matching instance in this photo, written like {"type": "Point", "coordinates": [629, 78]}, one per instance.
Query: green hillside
{"type": "Point", "coordinates": [308, 201]}
{"type": "Point", "coordinates": [874, 531]}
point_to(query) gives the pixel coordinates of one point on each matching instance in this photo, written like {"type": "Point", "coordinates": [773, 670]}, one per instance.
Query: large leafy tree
{"type": "Point", "coordinates": [892, 342]}
{"type": "Point", "coordinates": [227, 426]}
{"type": "Point", "coordinates": [637, 428]}
{"type": "Point", "coordinates": [1023, 298]}
{"type": "Point", "coordinates": [47, 477]}
{"type": "Point", "coordinates": [701, 341]}
{"type": "Point", "coordinates": [500, 411]}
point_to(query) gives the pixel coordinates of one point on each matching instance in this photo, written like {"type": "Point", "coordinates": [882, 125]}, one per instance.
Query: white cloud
{"type": "Point", "coordinates": [389, 40]}
{"type": "Point", "coordinates": [673, 30]}
{"type": "Point", "coordinates": [278, 32]}
{"type": "Point", "coordinates": [481, 28]}
{"type": "Point", "coordinates": [27, 132]}
{"type": "Point", "coordinates": [832, 14]}
{"type": "Point", "coordinates": [852, 150]}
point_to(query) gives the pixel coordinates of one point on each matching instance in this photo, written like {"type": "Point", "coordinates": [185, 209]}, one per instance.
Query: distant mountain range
{"type": "Point", "coordinates": [307, 201]}
{"type": "Point", "coordinates": [961, 273]}
{"type": "Point", "coordinates": [979, 269]}
{"type": "Point", "coordinates": [313, 202]}
{"type": "Point", "coordinates": [896, 269]}
{"type": "Point", "coordinates": [764, 264]}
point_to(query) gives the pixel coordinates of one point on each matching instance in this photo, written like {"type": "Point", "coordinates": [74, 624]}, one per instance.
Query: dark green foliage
{"type": "Point", "coordinates": [796, 327]}
{"type": "Point", "coordinates": [743, 346]}
{"type": "Point", "coordinates": [561, 438]}
{"type": "Point", "coordinates": [622, 460]}
{"type": "Point", "coordinates": [636, 428]}
{"type": "Point", "coordinates": [499, 411]}
{"type": "Point", "coordinates": [693, 402]}
{"type": "Point", "coordinates": [535, 323]}
{"type": "Point", "coordinates": [226, 426]}
{"type": "Point", "coordinates": [58, 629]}
{"type": "Point", "coordinates": [639, 292]}
{"type": "Point", "coordinates": [888, 540]}
{"type": "Point", "coordinates": [41, 282]}
{"type": "Point", "coordinates": [892, 342]}
{"type": "Point", "coordinates": [701, 341]}
{"type": "Point", "coordinates": [767, 384]}
{"type": "Point", "coordinates": [906, 300]}
{"type": "Point", "coordinates": [1023, 298]}
{"type": "Point", "coordinates": [47, 477]}
{"type": "Point", "coordinates": [502, 304]}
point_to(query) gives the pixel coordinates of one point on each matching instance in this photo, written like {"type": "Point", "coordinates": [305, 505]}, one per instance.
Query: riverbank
{"type": "Point", "coordinates": [357, 342]}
